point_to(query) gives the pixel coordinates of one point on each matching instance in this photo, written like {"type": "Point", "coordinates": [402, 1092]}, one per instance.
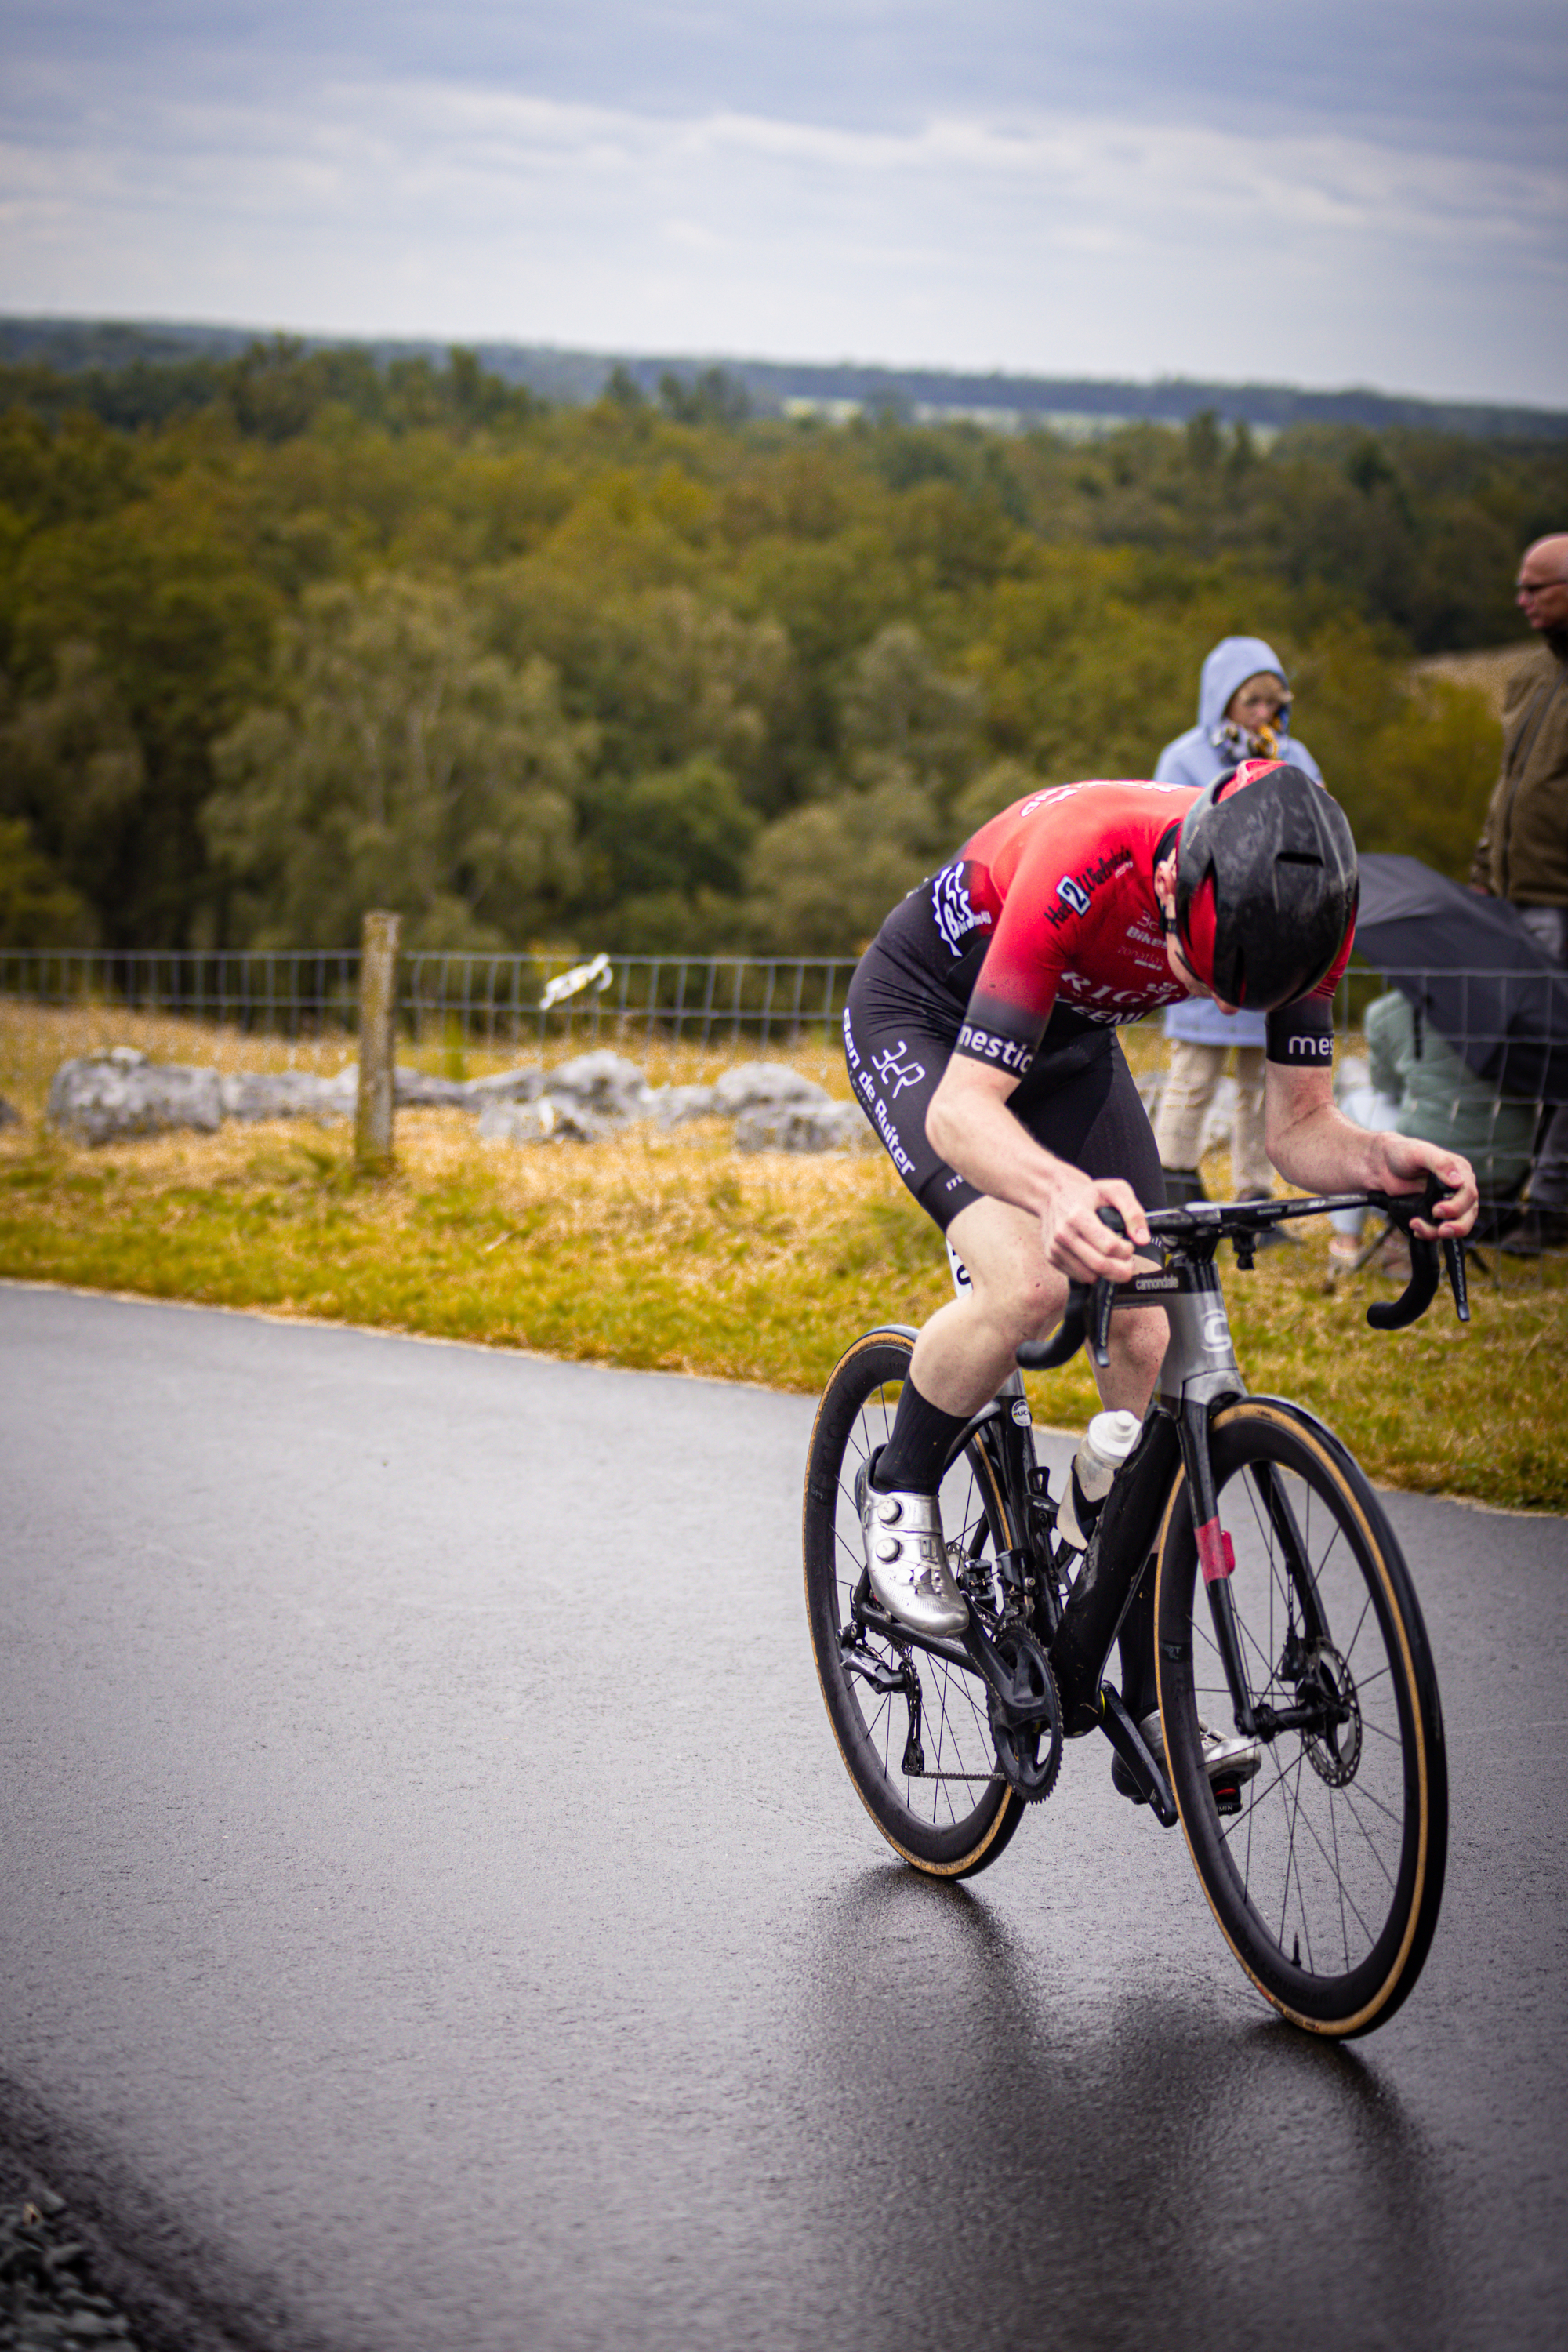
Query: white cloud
{"type": "Point", "coordinates": [1063, 243]}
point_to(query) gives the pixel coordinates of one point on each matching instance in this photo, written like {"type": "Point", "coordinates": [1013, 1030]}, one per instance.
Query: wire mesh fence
{"type": "Point", "coordinates": [470, 1014]}
{"type": "Point", "coordinates": [495, 998]}
{"type": "Point", "coordinates": [462, 1015]}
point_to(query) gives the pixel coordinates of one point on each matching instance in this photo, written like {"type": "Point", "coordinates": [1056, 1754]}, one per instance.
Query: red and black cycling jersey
{"type": "Point", "coordinates": [1046, 920]}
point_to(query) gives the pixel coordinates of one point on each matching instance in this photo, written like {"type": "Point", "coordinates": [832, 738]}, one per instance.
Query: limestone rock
{"type": "Point", "coordinates": [553, 1118]}
{"type": "Point", "coordinates": [603, 1082]}
{"type": "Point", "coordinates": [803, 1127]}
{"type": "Point", "coordinates": [418, 1090]}
{"type": "Point", "coordinates": [288, 1094]}
{"type": "Point", "coordinates": [104, 1097]}
{"type": "Point", "coordinates": [521, 1086]}
{"type": "Point", "coordinates": [757, 1086]}
{"type": "Point", "coordinates": [673, 1106]}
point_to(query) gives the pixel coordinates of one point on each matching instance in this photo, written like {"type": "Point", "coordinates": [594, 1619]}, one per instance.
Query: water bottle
{"type": "Point", "coordinates": [1108, 1441]}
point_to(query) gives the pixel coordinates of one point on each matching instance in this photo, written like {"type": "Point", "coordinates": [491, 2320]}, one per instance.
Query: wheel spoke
{"type": "Point", "coordinates": [1317, 1872]}
{"type": "Point", "coordinates": [957, 1812]}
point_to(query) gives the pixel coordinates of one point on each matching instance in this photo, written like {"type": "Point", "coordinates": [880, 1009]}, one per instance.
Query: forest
{"type": "Point", "coordinates": [290, 635]}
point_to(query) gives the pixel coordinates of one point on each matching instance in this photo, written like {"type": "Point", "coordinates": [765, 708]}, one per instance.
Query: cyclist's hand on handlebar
{"type": "Point", "coordinates": [1077, 1243]}
{"type": "Point", "coordinates": [1408, 1160]}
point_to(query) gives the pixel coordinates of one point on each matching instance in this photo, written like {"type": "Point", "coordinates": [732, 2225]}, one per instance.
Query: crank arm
{"type": "Point", "coordinates": [874, 1619]}
{"type": "Point", "coordinates": [1017, 1707]}
{"type": "Point", "coordinates": [973, 1653]}
{"type": "Point", "coordinates": [1130, 1746]}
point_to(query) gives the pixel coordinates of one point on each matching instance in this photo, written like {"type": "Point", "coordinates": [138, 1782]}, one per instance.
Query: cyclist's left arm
{"type": "Point", "coordinates": [1314, 1146]}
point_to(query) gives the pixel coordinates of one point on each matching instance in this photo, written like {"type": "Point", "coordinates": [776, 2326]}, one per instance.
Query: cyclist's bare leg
{"type": "Point", "coordinates": [966, 1350]}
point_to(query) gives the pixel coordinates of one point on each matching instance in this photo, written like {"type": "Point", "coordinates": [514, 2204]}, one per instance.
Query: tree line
{"type": "Point", "coordinates": [290, 634]}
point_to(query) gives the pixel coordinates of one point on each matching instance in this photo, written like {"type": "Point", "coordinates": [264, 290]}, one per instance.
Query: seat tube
{"type": "Point", "coordinates": [1125, 1535]}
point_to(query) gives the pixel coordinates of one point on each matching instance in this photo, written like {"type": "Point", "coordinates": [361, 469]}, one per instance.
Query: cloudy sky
{"type": "Point", "coordinates": [1342, 192]}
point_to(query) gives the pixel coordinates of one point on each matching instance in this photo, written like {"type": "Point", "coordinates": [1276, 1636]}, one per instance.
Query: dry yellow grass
{"type": "Point", "coordinates": [35, 1039]}
{"type": "Point", "coordinates": [673, 1251]}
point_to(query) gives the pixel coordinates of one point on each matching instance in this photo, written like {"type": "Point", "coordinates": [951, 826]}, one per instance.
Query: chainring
{"type": "Point", "coordinates": [1030, 1756]}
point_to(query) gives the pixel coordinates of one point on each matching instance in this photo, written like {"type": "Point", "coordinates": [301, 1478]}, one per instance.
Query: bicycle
{"type": "Point", "coordinates": [1325, 1868]}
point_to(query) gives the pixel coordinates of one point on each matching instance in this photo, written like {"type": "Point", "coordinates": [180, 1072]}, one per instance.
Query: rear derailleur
{"type": "Point", "coordinates": [1024, 1713]}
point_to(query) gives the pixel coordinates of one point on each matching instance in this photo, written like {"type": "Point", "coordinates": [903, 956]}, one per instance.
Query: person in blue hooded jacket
{"type": "Point", "coordinates": [1244, 713]}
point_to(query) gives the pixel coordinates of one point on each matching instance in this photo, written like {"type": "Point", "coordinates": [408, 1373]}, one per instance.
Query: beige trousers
{"type": "Point", "coordinates": [1195, 1073]}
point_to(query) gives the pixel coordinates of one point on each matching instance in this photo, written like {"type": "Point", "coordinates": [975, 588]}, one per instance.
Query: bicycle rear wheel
{"type": "Point", "coordinates": [1327, 1877]}
{"type": "Point", "coordinates": [912, 1728]}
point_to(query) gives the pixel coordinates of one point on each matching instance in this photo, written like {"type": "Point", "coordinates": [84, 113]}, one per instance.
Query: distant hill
{"type": "Point", "coordinates": [1078, 407]}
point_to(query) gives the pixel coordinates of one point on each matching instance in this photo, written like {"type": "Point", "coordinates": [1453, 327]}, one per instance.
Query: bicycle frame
{"type": "Point", "coordinates": [1198, 1376]}
{"type": "Point", "coordinates": [1318, 1827]}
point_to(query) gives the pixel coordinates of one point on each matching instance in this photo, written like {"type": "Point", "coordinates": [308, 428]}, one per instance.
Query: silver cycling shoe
{"type": "Point", "coordinates": [1234, 1759]}
{"type": "Point", "coordinates": [907, 1559]}
{"type": "Point", "coordinates": [1227, 1756]}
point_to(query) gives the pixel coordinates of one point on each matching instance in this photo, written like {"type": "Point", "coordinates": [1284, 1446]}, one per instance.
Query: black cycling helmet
{"type": "Point", "coordinates": [1266, 884]}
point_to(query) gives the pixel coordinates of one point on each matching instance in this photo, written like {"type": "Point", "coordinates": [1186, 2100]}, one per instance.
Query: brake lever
{"type": "Point", "coordinates": [1103, 1298]}
{"type": "Point", "coordinates": [1087, 1317]}
{"type": "Point", "coordinates": [1454, 1259]}
{"type": "Point", "coordinates": [1422, 1288]}
{"type": "Point", "coordinates": [1049, 1355]}
{"type": "Point", "coordinates": [1418, 1293]}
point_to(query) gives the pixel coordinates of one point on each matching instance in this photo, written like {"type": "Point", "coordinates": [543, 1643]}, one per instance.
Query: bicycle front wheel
{"type": "Point", "coordinates": [913, 1729]}
{"type": "Point", "coordinates": [1325, 1870]}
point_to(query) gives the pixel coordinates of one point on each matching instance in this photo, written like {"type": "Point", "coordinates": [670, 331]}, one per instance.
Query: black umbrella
{"type": "Point", "coordinates": [1472, 969]}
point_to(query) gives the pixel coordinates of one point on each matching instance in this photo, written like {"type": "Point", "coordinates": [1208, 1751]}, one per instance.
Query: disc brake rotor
{"type": "Point", "coordinates": [1334, 1753]}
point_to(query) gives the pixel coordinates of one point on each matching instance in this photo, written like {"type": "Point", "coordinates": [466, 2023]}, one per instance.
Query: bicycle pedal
{"type": "Point", "coordinates": [1226, 1796]}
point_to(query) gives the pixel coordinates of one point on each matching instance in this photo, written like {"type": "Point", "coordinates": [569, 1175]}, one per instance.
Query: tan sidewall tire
{"type": "Point", "coordinates": [869, 1781]}
{"type": "Point", "coordinates": [1380, 1559]}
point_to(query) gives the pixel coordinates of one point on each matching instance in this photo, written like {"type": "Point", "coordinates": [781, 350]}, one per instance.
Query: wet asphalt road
{"type": "Point", "coordinates": [433, 1914]}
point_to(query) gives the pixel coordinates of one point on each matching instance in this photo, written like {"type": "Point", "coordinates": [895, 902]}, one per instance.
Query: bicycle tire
{"type": "Point", "coordinates": [957, 1816]}
{"type": "Point", "coordinates": [1340, 1839]}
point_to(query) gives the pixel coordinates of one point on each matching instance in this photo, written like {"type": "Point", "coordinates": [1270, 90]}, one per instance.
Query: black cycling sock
{"type": "Point", "coordinates": [1139, 1690]}
{"type": "Point", "coordinates": [916, 1454]}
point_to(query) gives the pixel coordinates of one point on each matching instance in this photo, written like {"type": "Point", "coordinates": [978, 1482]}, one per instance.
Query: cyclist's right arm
{"type": "Point", "coordinates": [970, 1123]}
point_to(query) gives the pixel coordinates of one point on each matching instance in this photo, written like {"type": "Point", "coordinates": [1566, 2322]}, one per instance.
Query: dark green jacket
{"type": "Point", "coordinates": [1440, 1098]}
{"type": "Point", "coordinates": [1522, 853]}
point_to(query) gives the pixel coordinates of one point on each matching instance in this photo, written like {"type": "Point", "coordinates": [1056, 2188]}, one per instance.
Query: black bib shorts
{"type": "Point", "coordinates": [1077, 1098]}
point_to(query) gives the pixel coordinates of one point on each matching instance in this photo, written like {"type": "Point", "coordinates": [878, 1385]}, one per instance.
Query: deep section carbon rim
{"type": "Point", "coordinates": [1328, 1874]}
{"type": "Point", "coordinates": [913, 1729]}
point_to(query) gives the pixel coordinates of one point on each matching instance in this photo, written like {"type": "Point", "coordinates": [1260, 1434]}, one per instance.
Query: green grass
{"type": "Point", "coordinates": [677, 1254]}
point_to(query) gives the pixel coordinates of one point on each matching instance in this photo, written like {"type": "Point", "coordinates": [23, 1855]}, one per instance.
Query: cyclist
{"type": "Point", "coordinates": [980, 1036]}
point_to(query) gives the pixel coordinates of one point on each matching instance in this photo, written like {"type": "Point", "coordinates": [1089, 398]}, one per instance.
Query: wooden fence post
{"type": "Point", "coordinates": [377, 1041]}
